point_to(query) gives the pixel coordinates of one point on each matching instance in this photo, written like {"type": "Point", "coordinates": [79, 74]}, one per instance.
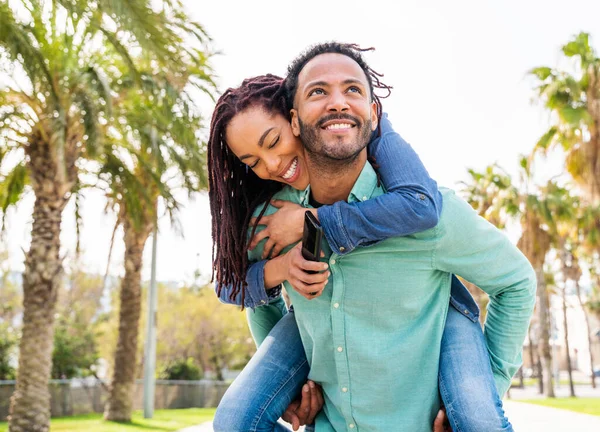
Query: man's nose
{"type": "Point", "coordinates": [337, 101]}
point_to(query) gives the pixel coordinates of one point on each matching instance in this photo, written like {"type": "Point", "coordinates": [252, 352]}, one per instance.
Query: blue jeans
{"type": "Point", "coordinates": [466, 380]}
{"type": "Point", "coordinates": [268, 384]}
{"type": "Point", "coordinates": [275, 375]}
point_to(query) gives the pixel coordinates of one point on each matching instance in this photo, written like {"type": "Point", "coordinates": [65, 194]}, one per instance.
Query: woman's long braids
{"type": "Point", "coordinates": [234, 189]}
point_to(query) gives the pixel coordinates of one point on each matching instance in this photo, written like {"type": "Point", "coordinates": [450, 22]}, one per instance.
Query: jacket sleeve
{"type": "Point", "coordinates": [412, 202]}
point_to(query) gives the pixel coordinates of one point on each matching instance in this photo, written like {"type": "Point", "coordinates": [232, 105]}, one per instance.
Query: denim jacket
{"type": "Point", "coordinates": [412, 204]}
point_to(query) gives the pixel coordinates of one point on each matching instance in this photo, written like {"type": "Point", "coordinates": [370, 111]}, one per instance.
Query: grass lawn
{"type": "Point", "coordinates": [163, 420]}
{"type": "Point", "coordinates": [581, 405]}
{"type": "Point", "coordinates": [528, 382]}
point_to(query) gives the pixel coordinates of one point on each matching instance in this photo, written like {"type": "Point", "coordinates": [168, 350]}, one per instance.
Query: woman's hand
{"type": "Point", "coordinates": [303, 410]}
{"type": "Point", "coordinates": [283, 228]}
{"type": "Point", "coordinates": [308, 285]}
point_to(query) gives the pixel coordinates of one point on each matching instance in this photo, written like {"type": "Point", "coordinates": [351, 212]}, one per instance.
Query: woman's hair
{"type": "Point", "coordinates": [234, 189]}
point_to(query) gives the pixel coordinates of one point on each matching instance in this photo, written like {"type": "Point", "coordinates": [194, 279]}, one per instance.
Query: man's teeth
{"type": "Point", "coordinates": [290, 173]}
{"type": "Point", "coordinates": [339, 126]}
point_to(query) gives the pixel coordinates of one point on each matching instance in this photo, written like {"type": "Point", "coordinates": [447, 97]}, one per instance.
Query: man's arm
{"type": "Point", "coordinates": [473, 248]}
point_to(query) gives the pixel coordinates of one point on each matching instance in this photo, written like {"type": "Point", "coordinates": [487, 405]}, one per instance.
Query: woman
{"type": "Point", "coordinates": [252, 154]}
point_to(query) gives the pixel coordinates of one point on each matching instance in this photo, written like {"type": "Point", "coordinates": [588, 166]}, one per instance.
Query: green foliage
{"type": "Point", "coordinates": [572, 96]}
{"type": "Point", "coordinates": [182, 369]}
{"type": "Point", "coordinates": [75, 352]}
{"type": "Point", "coordinates": [8, 343]}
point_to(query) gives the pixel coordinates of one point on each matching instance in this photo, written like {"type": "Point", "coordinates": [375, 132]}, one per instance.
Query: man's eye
{"type": "Point", "coordinates": [274, 143]}
{"type": "Point", "coordinates": [317, 91]}
{"type": "Point", "coordinates": [354, 89]}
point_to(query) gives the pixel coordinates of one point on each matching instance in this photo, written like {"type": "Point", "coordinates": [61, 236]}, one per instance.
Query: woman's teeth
{"type": "Point", "coordinates": [291, 171]}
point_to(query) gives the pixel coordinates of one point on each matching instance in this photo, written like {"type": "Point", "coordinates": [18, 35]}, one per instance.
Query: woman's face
{"type": "Point", "coordinates": [264, 141]}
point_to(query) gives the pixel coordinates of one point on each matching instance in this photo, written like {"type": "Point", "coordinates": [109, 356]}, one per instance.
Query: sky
{"type": "Point", "coordinates": [461, 96]}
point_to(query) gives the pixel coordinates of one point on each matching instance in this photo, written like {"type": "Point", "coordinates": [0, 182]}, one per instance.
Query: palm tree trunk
{"type": "Point", "coordinates": [119, 404]}
{"type": "Point", "coordinates": [544, 341]}
{"type": "Point", "coordinates": [30, 402]}
{"type": "Point", "coordinates": [535, 364]}
{"type": "Point", "coordinates": [587, 329]}
{"type": "Point", "coordinates": [569, 368]}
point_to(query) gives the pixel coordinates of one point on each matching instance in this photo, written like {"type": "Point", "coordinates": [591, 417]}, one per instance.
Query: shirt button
{"type": "Point", "coordinates": [340, 349]}
{"type": "Point", "coordinates": [351, 425]}
{"type": "Point", "coordinates": [466, 312]}
{"type": "Point", "coordinates": [345, 389]}
{"type": "Point", "coordinates": [422, 197]}
{"type": "Point", "coordinates": [332, 262]}
{"type": "Point", "coordinates": [342, 248]}
{"type": "Point", "coordinates": [262, 302]}
{"type": "Point", "coordinates": [336, 305]}
{"type": "Point", "coordinates": [365, 198]}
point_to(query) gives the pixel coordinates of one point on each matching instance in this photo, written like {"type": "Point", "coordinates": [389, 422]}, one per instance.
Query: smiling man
{"type": "Point", "coordinates": [372, 338]}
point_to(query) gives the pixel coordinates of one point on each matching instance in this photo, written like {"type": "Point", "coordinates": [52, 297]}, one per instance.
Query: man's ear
{"type": "Point", "coordinates": [295, 122]}
{"type": "Point", "coordinates": [374, 120]}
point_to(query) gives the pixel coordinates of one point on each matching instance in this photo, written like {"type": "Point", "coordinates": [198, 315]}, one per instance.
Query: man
{"type": "Point", "coordinates": [373, 336]}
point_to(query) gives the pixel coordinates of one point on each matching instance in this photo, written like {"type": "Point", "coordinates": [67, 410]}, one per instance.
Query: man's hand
{"type": "Point", "coordinates": [302, 412]}
{"type": "Point", "coordinates": [283, 228]}
{"type": "Point", "coordinates": [308, 285]}
{"type": "Point", "coordinates": [441, 424]}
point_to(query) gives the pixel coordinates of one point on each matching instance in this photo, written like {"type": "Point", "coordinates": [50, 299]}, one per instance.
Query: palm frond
{"type": "Point", "coordinates": [12, 186]}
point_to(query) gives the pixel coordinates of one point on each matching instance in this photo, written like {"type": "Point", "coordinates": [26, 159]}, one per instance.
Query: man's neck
{"type": "Point", "coordinates": [333, 182]}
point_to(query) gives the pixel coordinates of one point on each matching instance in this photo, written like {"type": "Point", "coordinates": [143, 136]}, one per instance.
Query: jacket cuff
{"type": "Point", "coordinates": [333, 227]}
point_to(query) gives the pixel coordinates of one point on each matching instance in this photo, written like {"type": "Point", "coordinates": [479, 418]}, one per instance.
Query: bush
{"type": "Point", "coordinates": [181, 370]}
{"type": "Point", "coordinates": [8, 342]}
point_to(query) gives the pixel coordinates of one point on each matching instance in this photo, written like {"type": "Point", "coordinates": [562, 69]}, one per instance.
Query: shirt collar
{"type": "Point", "coordinates": [363, 188]}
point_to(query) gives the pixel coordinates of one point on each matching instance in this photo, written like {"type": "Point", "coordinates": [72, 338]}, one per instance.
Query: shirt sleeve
{"type": "Point", "coordinates": [262, 320]}
{"type": "Point", "coordinates": [256, 292]}
{"type": "Point", "coordinates": [473, 248]}
{"type": "Point", "coordinates": [412, 202]}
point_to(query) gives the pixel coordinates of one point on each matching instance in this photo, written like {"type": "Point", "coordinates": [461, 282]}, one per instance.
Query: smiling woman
{"type": "Point", "coordinates": [264, 141]}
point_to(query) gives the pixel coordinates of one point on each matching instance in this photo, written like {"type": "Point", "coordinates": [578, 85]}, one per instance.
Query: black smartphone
{"type": "Point", "coordinates": [311, 238]}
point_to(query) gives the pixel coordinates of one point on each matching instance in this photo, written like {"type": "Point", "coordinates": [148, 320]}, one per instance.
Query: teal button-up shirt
{"type": "Point", "coordinates": [373, 337]}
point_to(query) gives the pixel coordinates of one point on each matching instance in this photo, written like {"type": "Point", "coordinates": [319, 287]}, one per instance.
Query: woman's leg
{"type": "Point", "coordinates": [466, 380]}
{"type": "Point", "coordinates": [269, 382]}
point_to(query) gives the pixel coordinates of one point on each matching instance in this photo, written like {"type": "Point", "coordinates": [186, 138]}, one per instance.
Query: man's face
{"type": "Point", "coordinates": [333, 113]}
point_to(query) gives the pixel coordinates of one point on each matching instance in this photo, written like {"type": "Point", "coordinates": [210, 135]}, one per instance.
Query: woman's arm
{"type": "Point", "coordinates": [260, 275]}
{"type": "Point", "coordinates": [412, 202]}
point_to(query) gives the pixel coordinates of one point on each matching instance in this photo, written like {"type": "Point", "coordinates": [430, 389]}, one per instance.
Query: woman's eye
{"type": "Point", "coordinates": [274, 143]}
{"type": "Point", "coordinates": [253, 165]}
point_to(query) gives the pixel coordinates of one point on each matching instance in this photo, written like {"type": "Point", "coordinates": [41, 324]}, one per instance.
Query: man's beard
{"type": "Point", "coordinates": [333, 154]}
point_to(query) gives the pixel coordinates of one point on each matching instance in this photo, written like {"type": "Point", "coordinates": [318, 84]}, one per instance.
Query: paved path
{"type": "Point", "coordinates": [527, 417]}
{"type": "Point", "coordinates": [524, 417]}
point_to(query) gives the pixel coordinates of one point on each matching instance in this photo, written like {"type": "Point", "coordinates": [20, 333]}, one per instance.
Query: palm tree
{"type": "Point", "coordinates": [55, 108]}
{"type": "Point", "coordinates": [573, 100]}
{"type": "Point", "coordinates": [589, 224]}
{"type": "Point", "coordinates": [155, 151]}
{"type": "Point", "coordinates": [564, 229]}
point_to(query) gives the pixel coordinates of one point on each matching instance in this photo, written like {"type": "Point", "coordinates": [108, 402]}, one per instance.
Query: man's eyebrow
{"type": "Point", "coordinates": [261, 142]}
{"type": "Point", "coordinates": [325, 83]}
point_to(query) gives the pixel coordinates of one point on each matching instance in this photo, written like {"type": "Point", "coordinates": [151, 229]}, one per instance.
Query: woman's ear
{"type": "Point", "coordinates": [295, 122]}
